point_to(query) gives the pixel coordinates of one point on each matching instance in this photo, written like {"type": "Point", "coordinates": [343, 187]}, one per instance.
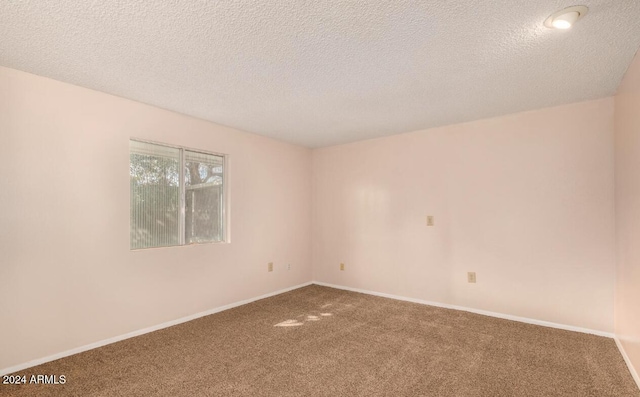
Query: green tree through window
{"type": "Point", "coordinates": [168, 208]}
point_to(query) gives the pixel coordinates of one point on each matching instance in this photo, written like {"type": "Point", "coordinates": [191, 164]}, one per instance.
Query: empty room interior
{"type": "Point", "coordinates": [320, 198]}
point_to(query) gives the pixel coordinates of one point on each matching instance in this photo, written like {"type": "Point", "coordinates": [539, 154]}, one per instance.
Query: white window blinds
{"type": "Point", "coordinates": [176, 196]}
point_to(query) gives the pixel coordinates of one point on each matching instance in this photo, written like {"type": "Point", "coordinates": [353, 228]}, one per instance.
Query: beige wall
{"type": "Point", "coordinates": [526, 201]}
{"type": "Point", "coordinates": [627, 138]}
{"type": "Point", "coordinates": [67, 276]}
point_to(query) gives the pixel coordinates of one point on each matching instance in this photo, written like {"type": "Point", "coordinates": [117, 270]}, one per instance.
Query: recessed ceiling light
{"type": "Point", "coordinates": [564, 19]}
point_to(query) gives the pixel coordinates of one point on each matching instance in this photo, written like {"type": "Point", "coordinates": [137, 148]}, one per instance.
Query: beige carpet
{"type": "Point", "coordinates": [318, 341]}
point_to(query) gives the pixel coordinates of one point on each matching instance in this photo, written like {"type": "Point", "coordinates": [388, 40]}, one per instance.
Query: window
{"type": "Point", "coordinates": [176, 196]}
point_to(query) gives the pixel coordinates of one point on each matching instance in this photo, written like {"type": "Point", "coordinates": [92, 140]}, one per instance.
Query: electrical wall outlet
{"type": "Point", "coordinates": [288, 266]}
{"type": "Point", "coordinates": [471, 277]}
{"type": "Point", "coordinates": [342, 266]}
{"type": "Point", "coordinates": [429, 220]}
{"type": "Point", "coordinates": [270, 267]}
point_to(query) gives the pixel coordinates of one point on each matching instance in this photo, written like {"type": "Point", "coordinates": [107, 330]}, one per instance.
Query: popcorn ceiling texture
{"type": "Point", "coordinates": [319, 73]}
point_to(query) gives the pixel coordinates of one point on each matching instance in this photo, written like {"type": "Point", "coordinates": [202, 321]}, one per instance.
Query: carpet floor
{"type": "Point", "coordinates": [319, 341]}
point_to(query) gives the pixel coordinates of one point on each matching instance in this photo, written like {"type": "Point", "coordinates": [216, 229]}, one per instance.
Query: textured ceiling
{"type": "Point", "coordinates": [318, 73]}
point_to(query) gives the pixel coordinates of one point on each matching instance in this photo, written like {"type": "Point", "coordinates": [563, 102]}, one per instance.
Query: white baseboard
{"type": "Point", "coordinates": [632, 369]}
{"type": "Point", "coordinates": [104, 342]}
{"type": "Point", "coordinates": [476, 311]}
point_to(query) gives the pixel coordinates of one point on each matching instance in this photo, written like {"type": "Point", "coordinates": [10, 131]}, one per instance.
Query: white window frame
{"type": "Point", "coordinates": [225, 195]}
